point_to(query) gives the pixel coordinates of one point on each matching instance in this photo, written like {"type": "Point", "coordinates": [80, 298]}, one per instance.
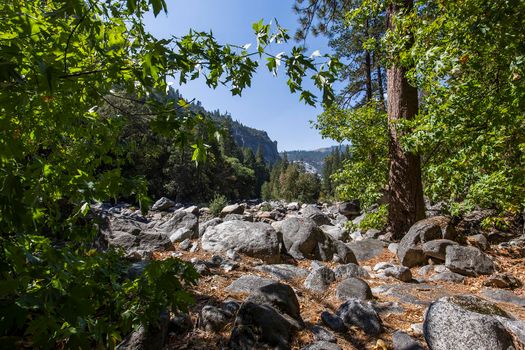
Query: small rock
{"type": "Point", "coordinates": [417, 328]}
{"type": "Point", "coordinates": [401, 273]}
{"type": "Point", "coordinates": [333, 322]}
{"type": "Point", "coordinates": [322, 345]}
{"type": "Point", "coordinates": [367, 248]}
{"type": "Point", "coordinates": [319, 280]}
{"type": "Point", "coordinates": [479, 241]}
{"type": "Point", "coordinates": [248, 283]}
{"type": "Point", "coordinates": [356, 312]}
{"type": "Point", "coordinates": [323, 334]}
{"type": "Point", "coordinates": [283, 271]}
{"type": "Point", "coordinates": [403, 341]}
{"type": "Point", "coordinates": [425, 270]}
{"type": "Point", "coordinates": [437, 248]}
{"type": "Point", "coordinates": [232, 209]}
{"type": "Point", "coordinates": [353, 288]}
{"type": "Point", "coordinates": [505, 296]}
{"type": "Point", "coordinates": [392, 247]}
{"type": "Point", "coordinates": [350, 270]}
{"type": "Point", "coordinates": [163, 204]}
{"type": "Point", "coordinates": [447, 276]}
{"type": "Point", "coordinates": [503, 280]}
{"type": "Point", "coordinates": [213, 319]}
{"type": "Point", "coordinates": [185, 245]}
{"type": "Point", "coordinates": [382, 265]}
{"type": "Point", "coordinates": [180, 324]}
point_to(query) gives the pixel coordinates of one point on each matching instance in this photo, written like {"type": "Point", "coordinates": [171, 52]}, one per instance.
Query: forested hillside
{"type": "Point", "coordinates": [132, 218]}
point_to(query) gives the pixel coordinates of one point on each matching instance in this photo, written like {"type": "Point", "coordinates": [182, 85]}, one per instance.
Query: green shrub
{"type": "Point", "coordinates": [376, 219]}
{"type": "Point", "coordinates": [76, 297]}
{"type": "Point", "coordinates": [217, 204]}
{"type": "Point", "coordinates": [266, 207]}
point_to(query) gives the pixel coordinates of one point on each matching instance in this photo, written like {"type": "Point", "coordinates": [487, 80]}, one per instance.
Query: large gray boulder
{"type": "Point", "coordinates": [304, 240]}
{"type": "Point", "coordinates": [209, 223]}
{"type": "Point", "coordinates": [312, 212]}
{"type": "Point", "coordinates": [255, 239]}
{"type": "Point", "coordinates": [178, 226]}
{"type": "Point", "coordinates": [131, 236]}
{"type": "Point", "coordinates": [464, 323]}
{"type": "Point", "coordinates": [367, 248]}
{"type": "Point", "coordinates": [468, 261]}
{"type": "Point", "coordinates": [409, 251]}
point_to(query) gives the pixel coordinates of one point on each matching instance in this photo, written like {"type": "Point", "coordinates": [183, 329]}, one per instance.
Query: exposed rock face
{"type": "Point", "coordinates": [304, 240]}
{"type": "Point", "coordinates": [468, 261]}
{"type": "Point", "coordinates": [465, 323]}
{"type": "Point", "coordinates": [258, 240]}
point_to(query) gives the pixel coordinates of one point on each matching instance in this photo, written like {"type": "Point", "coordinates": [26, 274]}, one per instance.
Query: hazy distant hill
{"type": "Point", "coordinates": [314, 157]}
{"type": "Point", "coordinates": [244, 136]}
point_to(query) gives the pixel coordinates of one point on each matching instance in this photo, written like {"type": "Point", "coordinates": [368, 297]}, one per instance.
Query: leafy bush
{"type": "Point", "coordinates": [217, 204]}
{"type": "Point", "coordinates": [266, 207]}
{"type": "Point", "coordinates": [80, 298]}
{"type": "Point", "coordinates": [376, 219]}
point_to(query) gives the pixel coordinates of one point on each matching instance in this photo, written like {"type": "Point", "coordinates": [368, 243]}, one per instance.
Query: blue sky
{"type": "Point", "coordinates": [268, 104]}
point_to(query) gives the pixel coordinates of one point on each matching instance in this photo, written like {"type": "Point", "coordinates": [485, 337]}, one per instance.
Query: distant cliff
{"type": "Point", "coordinates": [244, 136]}
{"type": "Point", "coordinates": [315, 157]}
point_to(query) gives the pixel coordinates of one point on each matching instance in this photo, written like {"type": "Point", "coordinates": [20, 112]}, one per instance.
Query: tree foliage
{"type": "Point", "coordinates": [59, 60]}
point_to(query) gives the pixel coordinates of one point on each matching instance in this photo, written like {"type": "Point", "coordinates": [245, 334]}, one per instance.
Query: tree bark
{"type": "Point", "coordinates": [380, 86]}
{"type": "Point", "coordinates": [368, 67]}
{"type": "Point", "coordinates": [406, 204]}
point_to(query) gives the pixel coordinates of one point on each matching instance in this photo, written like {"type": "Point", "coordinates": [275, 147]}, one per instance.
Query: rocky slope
{"type": "Point", "coordinates": [294, 278]}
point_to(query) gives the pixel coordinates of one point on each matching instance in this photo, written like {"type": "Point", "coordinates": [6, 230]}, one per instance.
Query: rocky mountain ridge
{"type": "Point", "coordinates": [243, 136]}
{"type": "Point", "coordinates": [281, 275]}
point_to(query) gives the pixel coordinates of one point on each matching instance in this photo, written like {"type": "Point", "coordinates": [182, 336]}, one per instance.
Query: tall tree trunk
{"type": "Point", "coordinates": [368, 67]}
{"type": "Point", "coordinates": [406, 204]}
{"type": "Point", "coordinates": [380, 85]}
